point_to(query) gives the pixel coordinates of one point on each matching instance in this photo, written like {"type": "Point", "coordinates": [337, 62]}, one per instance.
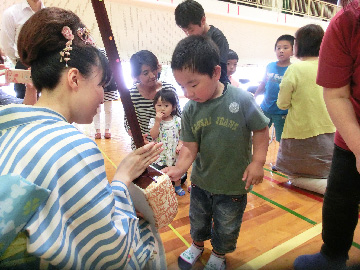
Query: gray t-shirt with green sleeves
{"type": "Point", "coordinates": [222, 128]}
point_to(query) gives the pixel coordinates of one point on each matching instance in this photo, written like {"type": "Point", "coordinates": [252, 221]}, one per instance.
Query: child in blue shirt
{"type": "Point", "coordinates": [217, 124]}
{"type": "Point", "coordinates": [271, 82]}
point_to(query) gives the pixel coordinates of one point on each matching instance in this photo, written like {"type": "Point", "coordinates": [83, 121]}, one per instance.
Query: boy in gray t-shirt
{"type": "Point", "coordinates": [217, 125]}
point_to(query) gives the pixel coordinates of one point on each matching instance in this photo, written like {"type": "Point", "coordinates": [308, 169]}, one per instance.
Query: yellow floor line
{"type": "Point", "coordinates": [108, 158]}
{"type": "Point", "coordinates": [179, 235]}
{"type": "Point", "coordinates": [170, 226]}
{"type": "Point", "coordinates": [282, 249]}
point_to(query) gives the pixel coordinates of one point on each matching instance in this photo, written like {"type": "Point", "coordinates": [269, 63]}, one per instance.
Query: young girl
{"type": "Point", "coordinates": [165, 128]}
{"type": "Point", "coordinates": [110, 94]}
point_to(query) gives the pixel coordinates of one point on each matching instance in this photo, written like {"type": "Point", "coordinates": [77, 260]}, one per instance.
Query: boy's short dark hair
{"type": "Point", "coordinates": [197, 53]}
{"type": "Point", "coordinates": [189, 12]}
{"type": "Point", "coordinates": [308, 40]}
{"type": "Point", "coordinates": [143, 57]}
{"type": "Point", "coordinates": [232, 55]}
{"type": "Point", "coordinates": [289, 38]}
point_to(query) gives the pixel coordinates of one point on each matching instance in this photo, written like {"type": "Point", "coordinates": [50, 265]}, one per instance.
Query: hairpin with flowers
{"type": "Point", "coordinates": [65, 53]}
{"type": "Point", "coordinates": [84, 35]}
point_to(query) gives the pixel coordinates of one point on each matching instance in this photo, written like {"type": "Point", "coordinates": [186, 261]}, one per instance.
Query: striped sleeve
{"type": "Point", "coordinates": [85, 223]}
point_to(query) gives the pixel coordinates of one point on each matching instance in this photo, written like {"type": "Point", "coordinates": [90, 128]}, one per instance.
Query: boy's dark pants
{"type": "Point", "coordinates": [217, 217]}
{"type": "Point", "coordinates": [341, 202]}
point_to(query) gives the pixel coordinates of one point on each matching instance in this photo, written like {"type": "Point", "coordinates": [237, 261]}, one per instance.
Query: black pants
{"type": "Point", "coordinates": [341, 203]}
{"type": "Point", "coordinates": [20, 87]}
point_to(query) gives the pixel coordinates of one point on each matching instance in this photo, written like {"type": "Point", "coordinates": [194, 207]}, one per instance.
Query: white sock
{"type": "Point", "coordinates": [190, 256]}
{"type": "Point", "coordinates": [215, 262]}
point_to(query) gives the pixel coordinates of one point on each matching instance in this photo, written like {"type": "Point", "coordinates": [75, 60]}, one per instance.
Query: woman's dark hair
{"type": "Point", "coordinates": [308, 40]}
{"type": "Point", "coordinates": [41, 41]}
{"type": "Point", "coordinates": [232, 55]}
{"type": "Point", "coordinates": [196, 53]}
{"type": "Point", "coordinates": [168, 96]}
{"type": "Point", "coordinates": [189, 12]}
{"type": "Point", "coordinates": [141, 58]}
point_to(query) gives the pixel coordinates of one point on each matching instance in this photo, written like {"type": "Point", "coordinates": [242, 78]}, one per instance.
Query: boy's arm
{"type": "Point", "coordinates": [187, 156]}
{"type": "Point", "coordinates": [254, 172]}
{"type": "Point", "coordinates": [261, 89]}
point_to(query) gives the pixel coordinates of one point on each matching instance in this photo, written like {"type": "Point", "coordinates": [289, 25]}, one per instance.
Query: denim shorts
{"type": "Point", "coordinates": [216, 217]}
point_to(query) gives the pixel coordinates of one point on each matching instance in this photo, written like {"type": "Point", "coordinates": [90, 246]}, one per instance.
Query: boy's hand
{"type": "Point", "coordinates": [173, 172]}
{"type": "Point", "coordinates": [253, 174]}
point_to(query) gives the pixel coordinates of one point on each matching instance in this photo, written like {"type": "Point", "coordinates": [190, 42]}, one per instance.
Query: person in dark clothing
{"type": "Point", "coordinates": [190, 17]}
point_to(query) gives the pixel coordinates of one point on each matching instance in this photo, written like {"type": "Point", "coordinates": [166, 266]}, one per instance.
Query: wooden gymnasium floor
{"type": "Point", "coordinates": [280, 223]}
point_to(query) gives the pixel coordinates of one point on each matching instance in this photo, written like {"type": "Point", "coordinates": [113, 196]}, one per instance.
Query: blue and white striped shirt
{"type": "Point", "coordinates": [86, 223]}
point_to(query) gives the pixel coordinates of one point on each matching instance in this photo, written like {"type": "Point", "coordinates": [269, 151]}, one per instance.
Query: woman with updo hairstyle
{"type": "Point", "coordinates": [56, 204]}
{"type": "Point", "coordinates": [145, 70]}
{"type": "Point", "coordinates": [306, 145]}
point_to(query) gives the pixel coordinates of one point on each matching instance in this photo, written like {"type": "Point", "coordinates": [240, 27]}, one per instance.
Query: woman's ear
{"type": "Point", "coordinates": [73, 78]}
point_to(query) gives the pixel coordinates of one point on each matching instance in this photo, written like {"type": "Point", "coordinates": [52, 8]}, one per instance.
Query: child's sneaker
{"type": "Point", "coordinates": [189, 257]}
{"type": "Point", "coordinates": [215, 262]}
{"type": "Point", "coordinates": [179, 191]}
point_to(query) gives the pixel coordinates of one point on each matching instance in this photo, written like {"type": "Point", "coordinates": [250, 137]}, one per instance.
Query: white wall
{"type": "Point", "coordinates": [150, 24]}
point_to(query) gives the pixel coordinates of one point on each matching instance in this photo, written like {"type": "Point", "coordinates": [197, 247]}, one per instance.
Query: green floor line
{"type": "Point", "coordinates": [270, 201]}
{"type": "Point", "coordinates": [354, 244]}
{"type": "Point", "coordinates": [283, 175]}
{"type": "Point", "coordinates": [284, 208]}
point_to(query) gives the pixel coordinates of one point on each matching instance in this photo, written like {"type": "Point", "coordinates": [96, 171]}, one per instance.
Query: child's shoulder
{"type": "Point", "coordinates": [237, 92]}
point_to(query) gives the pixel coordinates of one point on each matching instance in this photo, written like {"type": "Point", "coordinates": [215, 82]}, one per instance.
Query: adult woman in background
{"type": "Point", "coordinates": [83, 222]}
{"type": "Point", "coordinates": [306, 145]}
{"type": "Point", "coordinates": [145, 70]}
{"type": "Point", "coordinates": [339, 74]}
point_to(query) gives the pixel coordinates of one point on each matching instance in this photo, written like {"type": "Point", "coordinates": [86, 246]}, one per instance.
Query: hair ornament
{"type": "Point", "coordinates": [84, 35]}
{"type": "Point", "coordinates": [65, 53]}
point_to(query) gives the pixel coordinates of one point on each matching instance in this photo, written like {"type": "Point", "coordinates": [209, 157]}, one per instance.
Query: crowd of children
{"type": "Point", "coordinates": [223, 171]}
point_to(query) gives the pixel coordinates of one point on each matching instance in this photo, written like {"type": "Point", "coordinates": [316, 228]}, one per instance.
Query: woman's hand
{"type": "Point", "coordinates": [135, 163]}
{"type": "Point", "coordinates": [2, 73]}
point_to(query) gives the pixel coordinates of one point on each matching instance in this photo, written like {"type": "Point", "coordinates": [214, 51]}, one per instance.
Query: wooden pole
{"type": "Point", "coordinates": [115, 65]}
